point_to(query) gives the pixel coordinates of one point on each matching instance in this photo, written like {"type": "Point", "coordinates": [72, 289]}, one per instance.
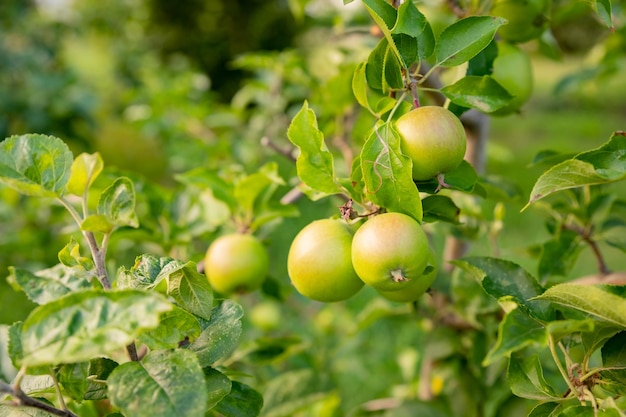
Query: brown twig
{"type": "Point", "coordinates": [20, 399]}
{"type": "Point", "coordinates": [585, 235]}
{"type": "Point", "coordinates": [287, 153]}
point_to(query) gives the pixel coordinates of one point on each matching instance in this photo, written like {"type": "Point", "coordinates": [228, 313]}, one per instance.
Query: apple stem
{"type": "Point", "coordinates": [442, 183]}
{"type": "Point", "coordinates": [398, 275]}
{"type": "Point", "coordinates": [413, 87]}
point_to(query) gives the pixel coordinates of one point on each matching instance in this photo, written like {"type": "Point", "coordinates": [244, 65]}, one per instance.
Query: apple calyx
{"type": "Point", "coordinates": [397, 275]}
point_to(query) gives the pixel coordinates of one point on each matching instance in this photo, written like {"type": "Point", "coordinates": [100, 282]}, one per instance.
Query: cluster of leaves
{"type": "Point", "coordinates": [71, 347]}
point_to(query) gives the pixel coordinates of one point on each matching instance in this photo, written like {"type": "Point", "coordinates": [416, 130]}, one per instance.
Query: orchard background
{"type": "Point", "coordinates": [189, 107]}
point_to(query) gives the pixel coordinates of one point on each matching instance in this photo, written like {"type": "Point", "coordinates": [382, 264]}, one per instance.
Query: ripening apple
{"type": "Point", "coordinates": [236, 263]}
{"type": "Point", "coordinates": [434, 138]}
{"type": "Point", "coordinates": [319, 262]}
{"type": "Point", "coordinates": [390, 251]}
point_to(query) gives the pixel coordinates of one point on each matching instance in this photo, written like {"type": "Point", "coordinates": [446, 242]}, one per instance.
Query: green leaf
{"type": "Point", "coordinates": [7, 370]}
{"type": "Point", "coordinates": [440, 208]}
{"type": "Point", "coordinates": [546, 410]}
{"type": "Point", "coordinates": [147, 272]}
{"type": "Point", "coordinates": [614, 357]}
{"type": "Point", "coordinates": [14, 348]}
{"type": "Point", "coordinates": [375, 66]}
{"type": "Point", "coordinates": [516, 331]}
{"type": "Point", "coordinates": [383, 13]}
{"type": "Point", "coordinates": [48, 284]}
{"type": "Point", "coordinates": [177, 327]}
{"type": "Point", "coordinates": [85, 169]}
{"type": "Point", "coordinates": [560, 254]}
{"type": "Point", "coordinates": [413, 23]}
{"type": "Point", "coordinates": [36, 165]}
{"type": "Point", "coordinates": [604, 10]}
{"type": "Point", "coordinates": [525, 376]}
{"type": "Point", "coordinates": [465, 38]}
{"type": "Point", "coordinates": [82, 325]}
{"type": "Point", "coordinates": [315, 162]}
{"type": "Point", "coordinates": [70, 257]}
{"type": "Point", "coordinates": [97, 223]}
{"type": "Point", "coordinates": [218, 386]}
{"type": "Point", "coordinates": [597, 300]}
{"type": "Point", "coordinates": [221, 334]}
{"type": "Point", "coordinates": [601, 332]}
{"type": "Point", "coordinates": [359, 86]}
{"type": "Point", "coordinates": [559, 329]}
{"type": "Point", "coordinates": [241, 401]}
{"type": "Point", "coordinates": [117, 203]}
{"type": "Point", "coordinates": [387, 173]}
{"type": "Point", "coordinates": [191, 290]}
{"type": "Point", "coordinates": [479, 92]}
{"type": "Point", "coordinates": [408, 48]}
{"type": "Point", "coordinates": [392, 72]}
{"type": "Point", "coordinates": [462, 178]}
{"type": "Point", "coordinates": [99, 371]}
{"type": "Point", "coordinates": [164, 383]}
{"type": "Point", "coordinates": [507, 281]}
{"type": "Point", "coordinates": [599, 166]}
{"type": "Point", "coordinates": [73, 379]}
{"type": "Point", "coordinates": [482, 63]}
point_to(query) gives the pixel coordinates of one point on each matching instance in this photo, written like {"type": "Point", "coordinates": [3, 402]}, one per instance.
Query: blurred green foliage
{"type": "Point", "coordinates": [160, 87]}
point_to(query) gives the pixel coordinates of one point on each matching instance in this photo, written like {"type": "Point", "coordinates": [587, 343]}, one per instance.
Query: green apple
{"type": "Point", "coordinates": [434, 138]}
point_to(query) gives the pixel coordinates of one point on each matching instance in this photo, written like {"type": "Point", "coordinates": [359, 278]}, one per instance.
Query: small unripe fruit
{"type": "Point", "coordinates": [434, 139]}
{"type": "Point", "coordinates": [236, 263]}
{"type": "Point", "coordinates": [390, 251]}
{"type": "Point", "coordinates": [319, 262]}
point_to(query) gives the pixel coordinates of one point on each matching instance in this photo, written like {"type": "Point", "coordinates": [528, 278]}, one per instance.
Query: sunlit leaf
{"type": "Point", "coordinates": [599, 166]}
{"type": "Point", "coordinates": [117, 203]}
{"type": "Point", "coordinates": [387, 173]}
{"type": "Point", "coordinates": [85, 324]}
{"type": "Point", "coordinates": [147, 272]}
{"type": "Point", "coordinates": [315, 162]}
{"type": "Point", "coordinates": [597, 300]}
{"type": "Point", "coordinates": [36, 165]}
{"type": "Point", "coordinates": [465, 38]}
{"type": "Point", "coordinates": [85, 169]}
{"type": "Point", "coordinates": [48, 284]}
